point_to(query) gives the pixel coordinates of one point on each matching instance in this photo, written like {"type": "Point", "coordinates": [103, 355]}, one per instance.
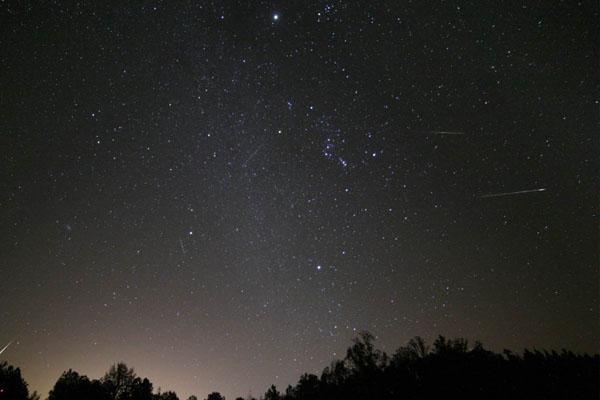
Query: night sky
{"type": "Point", "coordinates": [223, 194]}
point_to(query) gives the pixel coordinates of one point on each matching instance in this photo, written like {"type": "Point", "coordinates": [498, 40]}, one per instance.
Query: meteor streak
{"type": "Point", "coordinates": [5, 347]}
{"type": "Point", "coordinates": [512, 193]}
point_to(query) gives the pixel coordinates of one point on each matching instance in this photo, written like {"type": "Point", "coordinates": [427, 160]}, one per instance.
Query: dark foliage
{"type": "Point", "coordinates": [72, 386]}
{"type": "Point", "coordinates": [12, 385]}
{"type": "Point", "coordinates": [119, 383]}
{"type": "Point", "coordinates": [450, 369]}
{"type": "Point", "coordinates": [122, 384]}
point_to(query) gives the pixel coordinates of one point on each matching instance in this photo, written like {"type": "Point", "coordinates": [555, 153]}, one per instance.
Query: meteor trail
{"type": "Point", "coordinates": [251, 156]}
{"type": "Point", "coordinates": [5, 347]}
{"type": "Point", "coordinates": [512, 193]}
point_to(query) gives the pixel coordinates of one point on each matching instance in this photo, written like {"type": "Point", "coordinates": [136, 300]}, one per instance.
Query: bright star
{"type": "Point", "coordinates": [275, 17]}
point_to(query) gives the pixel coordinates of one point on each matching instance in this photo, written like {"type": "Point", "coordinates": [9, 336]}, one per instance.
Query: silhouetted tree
{"type": "Point", "coordinates": [12, 385]}
{"type": "Point", "coordinates": [72, 386]}
{"type": "Point", "coordinates": [272, 394]}
{"type": "Point", "coordinates": [141, 389]}
{"type": "Point", "coordinates": [119, 381]}
{"type": "Point", "coordinates": [215, 396]}
{"type": "Point", "coordinates": [362, 357]}
{"type": "Point", "coordinates": [308, 387]}
{"type": "Point", "coordinates": [192, 398]}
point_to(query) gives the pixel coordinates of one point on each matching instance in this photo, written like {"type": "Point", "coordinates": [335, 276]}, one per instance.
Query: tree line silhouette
{"type": "Point", "coordinates": [448, 369]}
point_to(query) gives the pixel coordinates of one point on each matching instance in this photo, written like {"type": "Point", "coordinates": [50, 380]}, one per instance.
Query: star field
{"type": "Point", "coordinates": [223, 194]}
